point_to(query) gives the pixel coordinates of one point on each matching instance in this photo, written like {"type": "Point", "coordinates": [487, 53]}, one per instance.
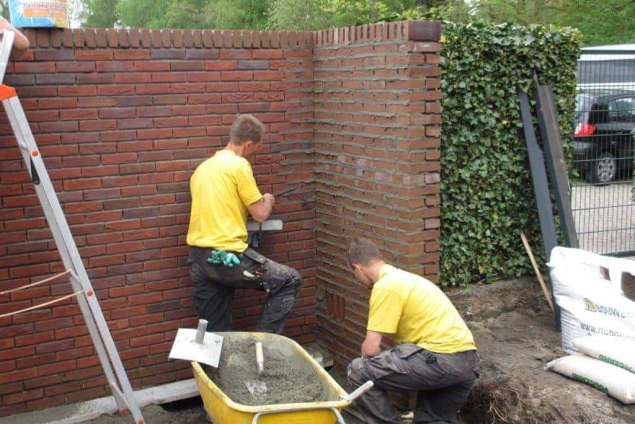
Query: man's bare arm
{"type": "Point", "coordinates": [372, 344]}
{"type": "Point", "coordinates": [261, 209]}
{"type": "Point", "coordinates": [20, 43]}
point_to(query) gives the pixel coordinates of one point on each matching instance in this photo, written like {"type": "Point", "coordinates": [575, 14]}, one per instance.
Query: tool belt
{"type": "Point", "coordinates": [245, 271]}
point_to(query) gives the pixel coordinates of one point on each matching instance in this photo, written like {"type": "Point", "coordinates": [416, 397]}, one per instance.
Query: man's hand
{"type": "Point", "coordinates": [261, 209]}
{"type": "Point", "coordinates": [372, 344]}
{"type": "Point", "coordinates": [269, 198]}
{"type": "Point", "coordinates": [20, 42]}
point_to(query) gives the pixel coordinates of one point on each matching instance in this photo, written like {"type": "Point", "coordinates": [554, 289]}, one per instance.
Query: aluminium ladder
{"type": "Point", "coordinates": [82, 288]}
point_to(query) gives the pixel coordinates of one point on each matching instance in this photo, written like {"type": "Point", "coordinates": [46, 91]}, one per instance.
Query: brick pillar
{"type": "Point", "coordinates": [377, 129]}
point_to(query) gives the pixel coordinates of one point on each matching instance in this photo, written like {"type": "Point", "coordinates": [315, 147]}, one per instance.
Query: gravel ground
{"type": "Point", "coordinates": [604, 216]}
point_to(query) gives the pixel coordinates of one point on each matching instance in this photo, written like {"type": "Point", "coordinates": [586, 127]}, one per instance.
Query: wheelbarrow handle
{"type": "Point", "coordinates": [359, 391]}
{"type": "Point", "coordinates": [338, 415]}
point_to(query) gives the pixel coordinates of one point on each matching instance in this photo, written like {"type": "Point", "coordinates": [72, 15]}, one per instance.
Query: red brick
{"type": "Point", "coordinates": [57, 103]}
{"type": "Point", "coordinates": [59, 389]}
{"type": "Point", "coordinates": [119, 158]}
{"type": "Point", "coordinates": [132, 54]}
{"type": "Point", "coordinates": [221, 65]}
{"type": "Point", "coordinates": [115, 66]}
{"type": "Point", "coordinates": [77, 91]}
{"type": "Point", "coordinates": [97, 125]}
{"type": "Point", "coordinates": [134, 123]}
{"type": "Point", "coordinates": [267, 75]}
{"type": "Point", "coordinates": [152, 88]}
{"type": "Point", "coordinates": [93, 54]}
{"type": "Point", "coordinates": [16, 353]}
{"type": "Point", "coordinates": [170, 99]}
{"type": "Point", "coordinates": [80, 184]}
{"type": "Point", "coordinates": [79, 114]}
{"type": "Point", "coordinates": [60, 126]}
{"type": "Point", "coordinates": [34, 67]}
{"type": "Point", "coordinates": [10, 388]}
{"type": "Point", "coordinates": [23, 396]}
{"type": "Point", "coordinates": [203, 76]}
{"type": "Point", "coordinates": [237, 75]}
{"type": "Point", "coordinates": [267, 54]}
{"type": "Point", "coordinates": [95, 102]}
{"type": "Point", "coordinates": [55, 55]}
{"type": "Point", "coordinates": [132, 77]}
{"type": "Point", "coordinates": [150, 65]}
{"type": "Point", "coordinates": [19, 375]}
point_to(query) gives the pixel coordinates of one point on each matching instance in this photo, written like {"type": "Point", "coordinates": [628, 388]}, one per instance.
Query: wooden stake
{"type": "Point", "coordinates": [537, 271]}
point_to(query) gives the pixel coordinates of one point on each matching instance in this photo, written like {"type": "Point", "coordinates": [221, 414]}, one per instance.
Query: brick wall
{"type": "Point", "coordinates": [377, 127]}
{"type": "Point", "coordinates": [122, 119]}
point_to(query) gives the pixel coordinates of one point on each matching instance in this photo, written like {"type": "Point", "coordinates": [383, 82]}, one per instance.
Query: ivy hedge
{"type": "Point", "coordinates": [486, 191]}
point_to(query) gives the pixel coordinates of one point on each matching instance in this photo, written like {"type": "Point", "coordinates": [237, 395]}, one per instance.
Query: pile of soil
{"type": "Point", "coordinates": [288, 378]}
{"type": "Point", "coordinates": [516, 336]}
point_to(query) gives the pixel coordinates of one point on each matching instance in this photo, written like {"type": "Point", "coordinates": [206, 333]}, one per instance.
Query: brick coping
{"type": "Point", "coordinates": [97, 38]}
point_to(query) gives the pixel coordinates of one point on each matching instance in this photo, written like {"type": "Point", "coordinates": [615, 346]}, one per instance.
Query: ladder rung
{"type": "Point", "coordinates": [37, 283]}
{"type": "Point", "coordinates": [41, 305]}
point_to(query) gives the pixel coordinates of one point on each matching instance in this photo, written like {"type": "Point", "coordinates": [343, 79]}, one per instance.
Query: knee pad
{"type": "Point", "coordinates": [355, 370]}
{"type": "Point", "coordinates": [296, 278]}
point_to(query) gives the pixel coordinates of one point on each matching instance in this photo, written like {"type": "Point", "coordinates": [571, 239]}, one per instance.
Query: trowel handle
{"type": "Point", "coordinates": [260, 359]}
{"type": "Point", "coordinates": [360, 391]}
{"type": "Point", "coordinates": [200, 331]}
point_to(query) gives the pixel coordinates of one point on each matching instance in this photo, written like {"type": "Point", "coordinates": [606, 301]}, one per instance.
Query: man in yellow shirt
{"type": "Point", "coordinates": [224, 192]}
{"type": "Point", "coordinates": [434, 351]}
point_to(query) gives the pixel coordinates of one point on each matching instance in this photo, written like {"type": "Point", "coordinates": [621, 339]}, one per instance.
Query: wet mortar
{"type": "Point", "coordinates": [289, 378]}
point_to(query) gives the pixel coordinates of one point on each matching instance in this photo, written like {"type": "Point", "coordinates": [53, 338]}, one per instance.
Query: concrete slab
{"type": "Point", "coordinates": [84, 411]}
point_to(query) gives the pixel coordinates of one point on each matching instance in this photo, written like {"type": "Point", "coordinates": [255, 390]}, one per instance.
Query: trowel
{"type": "Point", "coordinates": [258, 388]}
{"type": "Point", "coordinates": [197, 345]}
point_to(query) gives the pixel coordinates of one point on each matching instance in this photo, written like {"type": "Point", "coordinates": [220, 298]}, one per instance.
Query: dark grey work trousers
{"type": "Point", "coordinates": [214, 287]}
{"type": "Point", "coordinates": [442, 382]}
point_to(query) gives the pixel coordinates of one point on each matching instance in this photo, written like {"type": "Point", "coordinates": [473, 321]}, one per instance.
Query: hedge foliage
{"type": "Point", "coordinates": [487, 195]}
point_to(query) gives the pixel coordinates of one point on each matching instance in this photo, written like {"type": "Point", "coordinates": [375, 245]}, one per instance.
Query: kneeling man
{"type": "Point", "coordinates": [434, 351]}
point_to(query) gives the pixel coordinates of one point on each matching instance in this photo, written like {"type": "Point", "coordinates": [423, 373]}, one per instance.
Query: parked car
{"type": "Point", "coordinates": [604, 134]}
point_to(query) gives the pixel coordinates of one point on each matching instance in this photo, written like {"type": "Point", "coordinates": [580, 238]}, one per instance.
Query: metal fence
{"type": "Point", "coordinates": [602, 194]}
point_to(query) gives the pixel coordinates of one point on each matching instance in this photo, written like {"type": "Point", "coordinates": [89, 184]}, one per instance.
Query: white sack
{"type": "Point", "coordinates": [613, 350]}
{"type": "Point", "coordinates": [607, 378]}
{"type": "Point", "coordinates": [588, 289]}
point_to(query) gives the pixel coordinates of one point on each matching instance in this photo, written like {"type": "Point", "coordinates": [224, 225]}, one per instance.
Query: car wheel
{"type": "Point", "coordinates": [604, 169]}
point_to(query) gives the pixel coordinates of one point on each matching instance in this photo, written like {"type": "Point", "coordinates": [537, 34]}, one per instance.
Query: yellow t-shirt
{"type": "Point", "coordinates": [414, 310]}
{"type": "Point", "coordinates": [222, 187]}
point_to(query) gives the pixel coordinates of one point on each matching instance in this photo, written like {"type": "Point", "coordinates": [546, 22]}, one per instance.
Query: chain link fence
{"type": "Point", "coordinates": [602, 194]}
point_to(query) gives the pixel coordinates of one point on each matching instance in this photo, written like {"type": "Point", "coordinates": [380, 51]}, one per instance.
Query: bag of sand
{"type": "Point", "coordinates": [612, 380]}
{"type": "Point", "coordinates": [616, 351]}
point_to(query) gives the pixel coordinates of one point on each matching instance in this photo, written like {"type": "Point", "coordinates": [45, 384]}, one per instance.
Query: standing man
{"type": "Point", "coordinates": [434, 355]}
{"type": "Point", "coordinates": [223, 192]}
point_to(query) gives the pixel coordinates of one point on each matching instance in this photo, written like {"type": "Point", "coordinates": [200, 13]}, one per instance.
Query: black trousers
{"type": "Point", "coordinates": [215, 285]}
{"type": "Point", "coordinates": [442, 382]}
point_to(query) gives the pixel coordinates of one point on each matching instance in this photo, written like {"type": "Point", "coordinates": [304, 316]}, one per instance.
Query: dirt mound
{"type": "Point", "coordinates": [516, 336]}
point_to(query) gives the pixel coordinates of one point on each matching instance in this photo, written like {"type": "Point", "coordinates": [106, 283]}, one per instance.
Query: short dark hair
{"type": "Point", "coordinates": [362, 251]}
{"type": "Point", "coordinates": [246, 127]}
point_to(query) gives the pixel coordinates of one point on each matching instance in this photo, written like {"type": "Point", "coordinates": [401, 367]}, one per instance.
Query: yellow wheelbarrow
{"type": "Point", "coordinates": [222, 410]}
